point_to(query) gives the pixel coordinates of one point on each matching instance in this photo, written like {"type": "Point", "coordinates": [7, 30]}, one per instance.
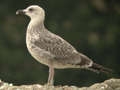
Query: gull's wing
{"type": "Point", "coordinates": [60, 49]}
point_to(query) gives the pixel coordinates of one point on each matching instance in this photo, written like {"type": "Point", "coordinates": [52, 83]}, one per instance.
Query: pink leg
{"type": "Point", "coordinates": [51, 76]}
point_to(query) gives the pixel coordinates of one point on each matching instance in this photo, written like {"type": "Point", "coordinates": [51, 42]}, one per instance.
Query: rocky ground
{"type": "Point", "coordinates": [111, 84]}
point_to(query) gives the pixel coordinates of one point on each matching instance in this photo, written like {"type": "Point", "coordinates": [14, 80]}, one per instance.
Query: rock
{"type": "Point", "coordinates": [111, 84]}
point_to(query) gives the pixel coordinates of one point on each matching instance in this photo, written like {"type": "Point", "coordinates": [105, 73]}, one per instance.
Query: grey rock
{"type": "Point", "coordinates": [111, 84]}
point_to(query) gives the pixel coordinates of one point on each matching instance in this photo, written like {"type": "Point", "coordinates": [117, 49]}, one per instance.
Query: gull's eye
{"type": "Point", "coordinates": [31, 9]}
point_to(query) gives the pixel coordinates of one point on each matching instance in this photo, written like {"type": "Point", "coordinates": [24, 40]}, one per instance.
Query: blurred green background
{"type": "Point", "coordinates": [91, 26]}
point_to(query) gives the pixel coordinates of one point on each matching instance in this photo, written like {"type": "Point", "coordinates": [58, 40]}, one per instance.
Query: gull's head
{"type": "Point", "coordinates": [33, 11]}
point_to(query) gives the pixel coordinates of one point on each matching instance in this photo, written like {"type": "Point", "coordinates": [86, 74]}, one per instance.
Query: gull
{"type": "Point", "coordinates": [52, 50]}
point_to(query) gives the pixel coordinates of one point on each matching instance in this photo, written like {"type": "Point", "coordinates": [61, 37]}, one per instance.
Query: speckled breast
{"type": "Point", "coordinates": [35, 51]}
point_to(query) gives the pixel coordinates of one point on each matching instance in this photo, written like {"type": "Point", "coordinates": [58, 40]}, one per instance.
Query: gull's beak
{"type": "Point", "coordinates": [20, 12]}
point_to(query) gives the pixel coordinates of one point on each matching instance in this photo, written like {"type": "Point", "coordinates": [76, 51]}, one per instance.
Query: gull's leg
{"type": "Point", "coordinates": [51, 76]}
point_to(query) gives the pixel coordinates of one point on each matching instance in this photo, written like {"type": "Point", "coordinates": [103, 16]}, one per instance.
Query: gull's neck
{"type": "Point", "coordinates": [36, 23]}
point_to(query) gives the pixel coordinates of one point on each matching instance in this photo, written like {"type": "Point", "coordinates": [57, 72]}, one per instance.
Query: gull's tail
{"type": "Point", "coordinates": [99, 68]}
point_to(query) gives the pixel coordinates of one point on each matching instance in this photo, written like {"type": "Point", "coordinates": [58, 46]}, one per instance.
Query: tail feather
{"type": "Point", "coordinates": [99, 68]}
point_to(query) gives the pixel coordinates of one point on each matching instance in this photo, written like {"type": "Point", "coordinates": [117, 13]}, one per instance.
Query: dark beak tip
{"type": "Point", "coordinates": [20, 12]}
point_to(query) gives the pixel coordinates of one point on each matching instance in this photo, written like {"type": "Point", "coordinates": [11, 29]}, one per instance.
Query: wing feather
{"type": "Point", "coordinates": [61, 49]}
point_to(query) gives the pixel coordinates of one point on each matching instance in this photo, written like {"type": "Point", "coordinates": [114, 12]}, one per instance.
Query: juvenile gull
{"type": "Point", "coordinates": [50, 49]}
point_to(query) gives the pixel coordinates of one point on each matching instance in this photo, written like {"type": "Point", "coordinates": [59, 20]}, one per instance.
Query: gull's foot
{"type": "Point", "coordinates": [49, 84]}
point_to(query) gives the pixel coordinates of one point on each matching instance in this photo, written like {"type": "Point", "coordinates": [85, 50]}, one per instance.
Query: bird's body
{"type": "Point", "coordinates": [50, 49]}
